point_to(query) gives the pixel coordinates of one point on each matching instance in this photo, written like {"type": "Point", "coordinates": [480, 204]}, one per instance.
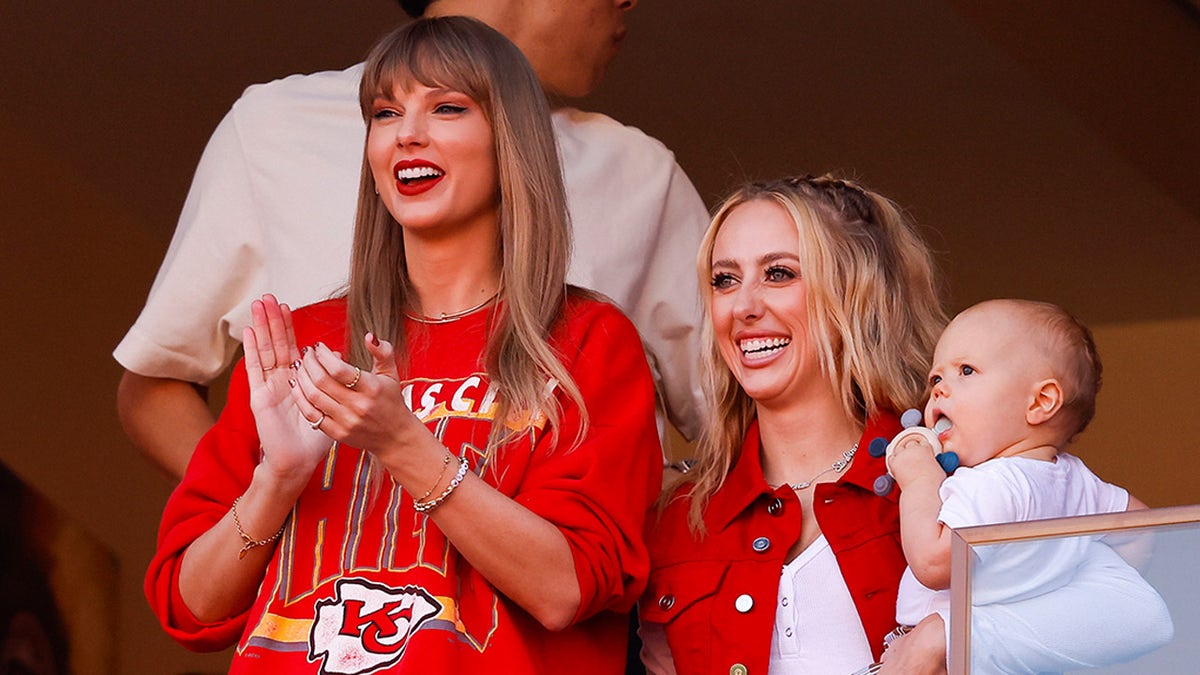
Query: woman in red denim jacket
{"type": "Point", "coordinates": [824, 310]}
{"type": "Point", "coordinates": [773, 554]}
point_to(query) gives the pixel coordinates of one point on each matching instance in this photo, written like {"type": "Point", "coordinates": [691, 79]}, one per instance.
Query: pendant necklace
{"type": "Point", "coordinates": [837, 467]}
{"type": "Point", "coordinates": [447, 317]}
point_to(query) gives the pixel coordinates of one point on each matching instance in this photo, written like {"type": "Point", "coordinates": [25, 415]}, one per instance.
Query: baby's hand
{"type": "Point", "coordinates": [911, 455]}
{"type": "Point", "coordinates": [919, 442]}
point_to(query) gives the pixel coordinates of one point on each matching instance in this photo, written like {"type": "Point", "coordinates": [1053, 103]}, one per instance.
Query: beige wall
{"type": "Point", "coordinates": [1147, 427]}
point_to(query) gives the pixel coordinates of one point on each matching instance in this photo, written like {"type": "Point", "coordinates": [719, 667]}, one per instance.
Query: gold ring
{"type": "Point", "coordinates": [317, 425]}
{"type": "Point", "coordinates": [357, 374]}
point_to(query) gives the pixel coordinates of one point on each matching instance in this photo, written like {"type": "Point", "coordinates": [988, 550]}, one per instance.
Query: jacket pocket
{"type": "Point", "coordinates": [680, 597]}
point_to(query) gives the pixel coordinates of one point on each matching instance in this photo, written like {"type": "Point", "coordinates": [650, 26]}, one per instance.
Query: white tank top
{"type": "Point", "coordinates": [817, 629]}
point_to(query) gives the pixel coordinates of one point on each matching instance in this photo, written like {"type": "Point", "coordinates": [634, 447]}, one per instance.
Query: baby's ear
{"type": "Point", "coordinates": [1047, 400]}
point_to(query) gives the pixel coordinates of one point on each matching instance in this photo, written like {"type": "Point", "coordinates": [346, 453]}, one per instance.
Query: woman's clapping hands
{"type": "Point", "coordinates": [292, 443]}
{"type": "Point", "coordinates": [305, 397]}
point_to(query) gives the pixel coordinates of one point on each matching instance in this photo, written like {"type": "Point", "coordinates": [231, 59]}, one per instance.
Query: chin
{"type": "Point", "coordinates": [762, 392]}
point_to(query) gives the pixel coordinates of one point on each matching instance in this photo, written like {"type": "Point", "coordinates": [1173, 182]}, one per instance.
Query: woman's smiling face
{"type": "Point", "coordinates": [433, 158]}
{"type": "Point", "coordinates": [759, 307]}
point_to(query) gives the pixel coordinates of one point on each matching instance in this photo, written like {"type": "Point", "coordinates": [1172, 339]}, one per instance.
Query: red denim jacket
{"type": "Point", "coordinates": [716, 597]}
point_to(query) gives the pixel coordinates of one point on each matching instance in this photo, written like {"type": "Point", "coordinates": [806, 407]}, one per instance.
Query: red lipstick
{"type": "Point", "coordinates": [415, 176]}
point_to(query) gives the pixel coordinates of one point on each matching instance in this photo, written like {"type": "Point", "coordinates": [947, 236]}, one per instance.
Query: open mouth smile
{"type": "Point", "coordinates": [760, 347]}
{"type": "Point", "coordinates": [418, 173]}
{"type": "Point", "coordinates": [415, 177]}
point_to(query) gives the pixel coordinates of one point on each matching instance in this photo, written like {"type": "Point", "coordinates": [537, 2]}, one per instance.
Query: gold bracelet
{"type": "Point", "coordinates": [445, 463]}
{"type": "Point", "coordinates": [422, 506]}
{"type": "Point", "coordinates": [249, 542]}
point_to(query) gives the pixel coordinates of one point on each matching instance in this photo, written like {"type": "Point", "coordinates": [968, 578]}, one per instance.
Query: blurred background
{"type": "Point", "coordinates": [1050, 151]}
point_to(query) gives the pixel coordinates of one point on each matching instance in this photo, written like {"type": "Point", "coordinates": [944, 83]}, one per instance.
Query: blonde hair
{"type": "Point", "coordinates": [873, 306]}
{"type": "Point", "coordinates": [466, 55]}
{"type": "Point", "coordinates": [1070, 351]}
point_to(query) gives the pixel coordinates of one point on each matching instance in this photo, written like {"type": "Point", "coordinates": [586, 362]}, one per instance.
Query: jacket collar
{"type": "Point", "coordinates": [745, 482]}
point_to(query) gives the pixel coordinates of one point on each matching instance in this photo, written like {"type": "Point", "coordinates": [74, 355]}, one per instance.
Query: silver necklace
{"type": "Point", "coordinates": [837, 467]}
{"type": "Point", "coordinates": [447, 317]}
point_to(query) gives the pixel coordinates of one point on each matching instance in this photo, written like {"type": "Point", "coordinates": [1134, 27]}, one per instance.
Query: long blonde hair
{"type": "Point", "coordinates": [466, 55]}
{"type": "Point", "coordinates": [873, 306]}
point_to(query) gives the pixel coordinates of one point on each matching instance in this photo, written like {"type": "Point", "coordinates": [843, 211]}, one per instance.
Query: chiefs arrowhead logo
{"type": "Point", "coordinates": [367, 626]}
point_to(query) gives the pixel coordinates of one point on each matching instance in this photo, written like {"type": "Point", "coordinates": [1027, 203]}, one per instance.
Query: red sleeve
{"type": "Point", "coordinates": [219, 471]}
{"type": "Point", "coordinates": [599, 492]}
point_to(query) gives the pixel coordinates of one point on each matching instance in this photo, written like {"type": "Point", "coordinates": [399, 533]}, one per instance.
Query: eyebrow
{"type": "Point", "coordinates": [434, 92]}
{"type": "Point", "coordinates": [764, 259]}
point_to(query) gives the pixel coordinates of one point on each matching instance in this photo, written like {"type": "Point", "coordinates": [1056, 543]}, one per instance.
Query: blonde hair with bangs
{"type": "Point", "coordinates": [467, 56]}
{"type": "Point", "coordinates": [873, 304]}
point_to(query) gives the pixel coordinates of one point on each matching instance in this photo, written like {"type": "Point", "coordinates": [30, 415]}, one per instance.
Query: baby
{"type": "Point", "coordinates": [1012, 383]}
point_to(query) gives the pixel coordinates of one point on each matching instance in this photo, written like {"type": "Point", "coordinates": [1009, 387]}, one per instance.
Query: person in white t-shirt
{"type": "Point", "coordinates": [1012, 383]}
{"type": "Point", "coordinates": [272, 204]}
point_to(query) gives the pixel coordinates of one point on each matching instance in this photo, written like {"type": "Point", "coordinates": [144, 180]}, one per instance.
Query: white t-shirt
{"type": "Point", "coordinates": [1009, 490]}
{"type": "Point", "coordinates": [271, 210]}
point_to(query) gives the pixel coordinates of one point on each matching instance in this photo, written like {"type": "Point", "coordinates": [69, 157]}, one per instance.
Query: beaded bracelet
{"type": "Point", "coordinates": [249, 542]}
{"type": "Point", "coordinates": [426, 506]}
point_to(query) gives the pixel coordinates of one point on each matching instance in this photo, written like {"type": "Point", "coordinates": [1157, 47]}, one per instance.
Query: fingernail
{"type": "Point", "coordinates": [296, 364]}
{"type": "Point", "coordinates": [304, 350]}
{"type": "Point", "coordinates": [292, 383]}
{"type": "Point", "coordinates": [374, 339]}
